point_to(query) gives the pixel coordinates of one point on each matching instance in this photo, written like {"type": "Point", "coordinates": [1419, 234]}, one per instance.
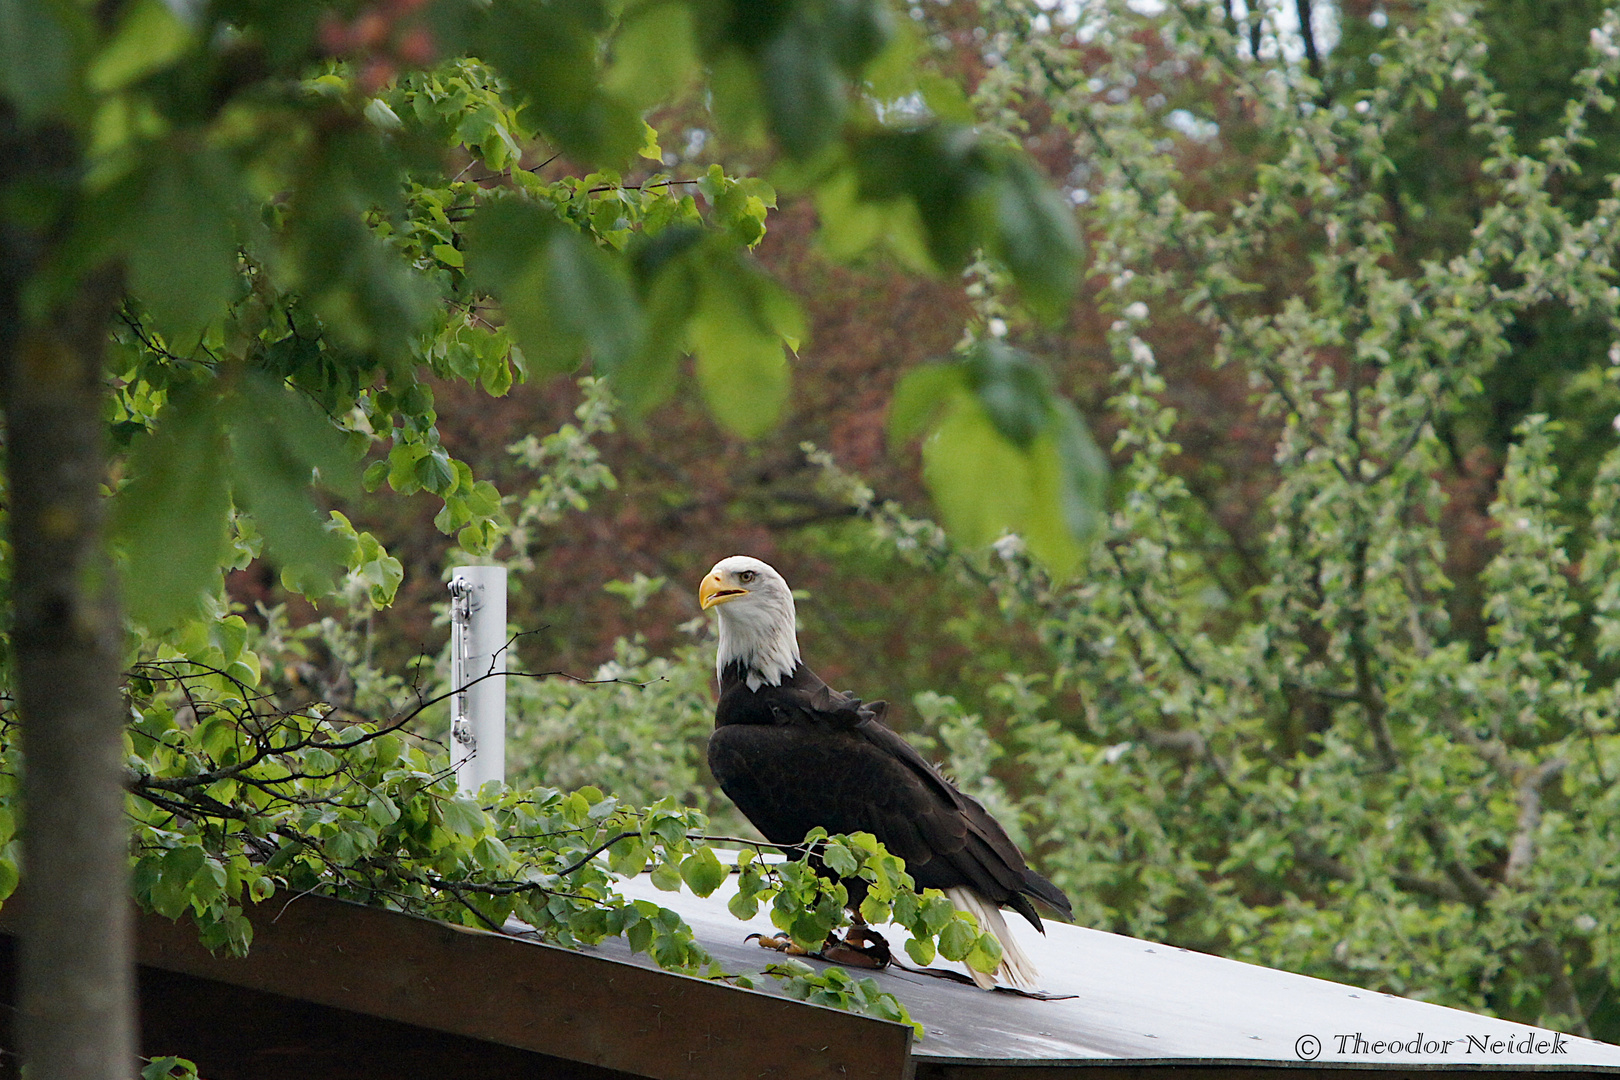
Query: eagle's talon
{"type": "Point", "coordinates": [779, 944]}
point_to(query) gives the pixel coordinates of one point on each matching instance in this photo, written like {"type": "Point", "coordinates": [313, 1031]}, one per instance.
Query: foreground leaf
{"type": "Point", "coordinates": [170, 521]}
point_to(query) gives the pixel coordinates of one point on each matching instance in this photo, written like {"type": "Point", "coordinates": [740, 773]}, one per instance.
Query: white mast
{"type": "Point", "coordinates": [478, 675]}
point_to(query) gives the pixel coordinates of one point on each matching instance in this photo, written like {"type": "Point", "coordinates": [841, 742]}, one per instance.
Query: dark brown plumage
{"type": "Point", "coordinates": [795, 754]}
{"type": "Point", "coordinates": [801, 754]}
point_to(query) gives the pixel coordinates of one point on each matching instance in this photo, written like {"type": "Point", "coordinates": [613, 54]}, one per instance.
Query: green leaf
{"type": "Point", "coordinates": [743, 374]}
{"type": "Point", "coordinates": [737, 333]}
{"type": "Point", "coordinates": [576, 807]}
{"type": "Point", "coordinates": [463, 816]}
{"type": "Point", "coordinates": [957, 939]}
{"type": "Point", "coordinates": [1010, 457]}
{"type": "Point", "coordinates": [279, 443]}
{"type": "Point", "coordinates": [741, 207]}
{"type": "Point", "coordinates": [942, 171]}
{"type": "Point", "coordinates": [181, 240]}
{"type": "Point", "coordinates": [8, 876]}
{"type": "Point", "coordinates": [589, 925]}
{"type": "Point", "coordinates": [1011, 388]}
{"type": "Point", "coordinates": [666, 876]}
{"type": "Point", "coordinates": [639, 934]}
{"type": "Point", "coordinates": [149, 37]}
{"type": "Point", "coordinates": [937, 912]}
{"type": "Point", "coordinates": [851, 222]}
{"type": "Point", "coordinates": [382, 808]}
{"type": "Point", "coordinates": [921, 950]}
{"type": "Point", "coordinates": [171, 894]}
{"type": "Point", "coordinates": [840, 860]}
{"type": "Point", "coordinates": [666, 269]}
{"type": "Point", "coordinates": [561, 294]}
{"type": "Point", "coordinates": [801, 84]}
{"type": "Point", "coordinates": [734, 84]}
{"type": "Point", "coordinates": [388, 750]}
{"type": "Point", "coordinates": [809, 929]}
{"type": "Point", "coordinates": [491, 854]}
{"type": "Point", "coordinates": [38, 63]}
{"type": "Point", "coordinates": [979, 480]}
{"type": "Point", "coordinates": [985, 955]}
{"type": "Point", "coordinates": [1036, 236]}
{"type": "Point", "coordinates": [969, 195]}
{"type": "Point", "coordinates": [654, 54]}
{"type": "Point", "coordinates": [245, 671]}
{"type": "Point", "coordinates": [549, 52]}
{"type": "Point", "coordinates": [945, 98]}
{"type": "Point", "coordinates": [893, 74]}
{"type": "Point", "coordinates": [592, 298]}
{"type": "Point", "coordinates": [170, 521]}
{"type": "Point", "coordinates": [435, 473]}
{"type": "Point", "coordinates": [918, 398]}
{"type": "Point", "coordinates": [402, 459]}
{"type": "Point", "coordinates": [907, 911]}
{"type": "Point", "coordinates": [371, 566]}
{"type": "Point", "coordinates": [649, 148]}
{"type": "Point", "coordinates": [382, 115]}
{"type": "Point", "coordinates": [1084, 475]}
{"type": "Point", "coordinates": [703, 872]}
{"type": "Point", "coordinates": [208, 884]}
{"type": "Point", "coordinates": [743, 906]}
{"type": "Point", "coordinates": [169, 1068]}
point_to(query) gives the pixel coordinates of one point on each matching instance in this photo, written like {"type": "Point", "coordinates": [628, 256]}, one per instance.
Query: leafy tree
{"type": "Point", "coordinates": [257, 221]}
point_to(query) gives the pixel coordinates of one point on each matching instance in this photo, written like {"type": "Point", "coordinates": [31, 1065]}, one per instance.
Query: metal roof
{"type": "Point", "coordinates": [1138, 1002]}
{"type": "Point", "coordinates": [335, 991]}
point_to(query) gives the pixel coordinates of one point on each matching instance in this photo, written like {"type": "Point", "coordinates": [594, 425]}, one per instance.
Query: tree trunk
{"type": "Point", "coordinates": [76, 1017]}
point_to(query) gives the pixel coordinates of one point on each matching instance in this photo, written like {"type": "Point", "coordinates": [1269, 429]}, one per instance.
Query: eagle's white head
{"type": "Point", "coordinates": [758, 624]}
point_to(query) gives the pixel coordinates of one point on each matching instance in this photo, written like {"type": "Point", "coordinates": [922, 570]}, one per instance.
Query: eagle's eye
{"type": "Point", "coordinates": [745, 576]}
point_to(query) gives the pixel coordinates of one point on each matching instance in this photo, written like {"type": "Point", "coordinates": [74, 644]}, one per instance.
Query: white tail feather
{"type": "Point", "coordinates": [1016, 968]}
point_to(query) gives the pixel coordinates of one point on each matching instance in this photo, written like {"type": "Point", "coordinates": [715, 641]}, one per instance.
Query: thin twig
{"type": "Point", "coordinates": [594, 852]}
{"type": "Point", "coordinates": [638, 187]}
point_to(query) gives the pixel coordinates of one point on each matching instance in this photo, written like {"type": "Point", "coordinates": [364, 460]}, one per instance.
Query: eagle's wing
{"type": "Point", "coordinates": [948, 838]}
{"type": "Point", "coordinates": [806, 754]}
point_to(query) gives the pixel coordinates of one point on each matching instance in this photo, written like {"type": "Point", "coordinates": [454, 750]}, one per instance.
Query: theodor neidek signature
{"type": "Point", "coordinates": [1357, 1044]}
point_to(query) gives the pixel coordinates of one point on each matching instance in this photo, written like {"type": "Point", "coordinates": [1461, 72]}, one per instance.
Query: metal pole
{"type": "Point", "coordinates": [478, 675]}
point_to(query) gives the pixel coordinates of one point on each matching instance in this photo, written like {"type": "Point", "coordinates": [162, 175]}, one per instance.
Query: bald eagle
{"type": "Point", "coordinates": [793, 754]}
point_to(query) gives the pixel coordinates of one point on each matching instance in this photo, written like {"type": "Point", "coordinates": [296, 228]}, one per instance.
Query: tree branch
{"type": "Point", "coordinates": [1368, 694]}
{"type": "Point", "coordinates": [1307, 34]}
{"type": "Point", "coordinates": [1146, 611]}
{"type": "Point", "coordinates": [1524, 837]}
{"type": "Point", "coordinates": [1561, 997]}
{"type": "Point", "coordinates": [1473, 889]}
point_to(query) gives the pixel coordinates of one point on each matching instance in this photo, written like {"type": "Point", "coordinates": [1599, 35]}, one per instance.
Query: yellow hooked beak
{"type": "Point", "coordinates": [715, 591]}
